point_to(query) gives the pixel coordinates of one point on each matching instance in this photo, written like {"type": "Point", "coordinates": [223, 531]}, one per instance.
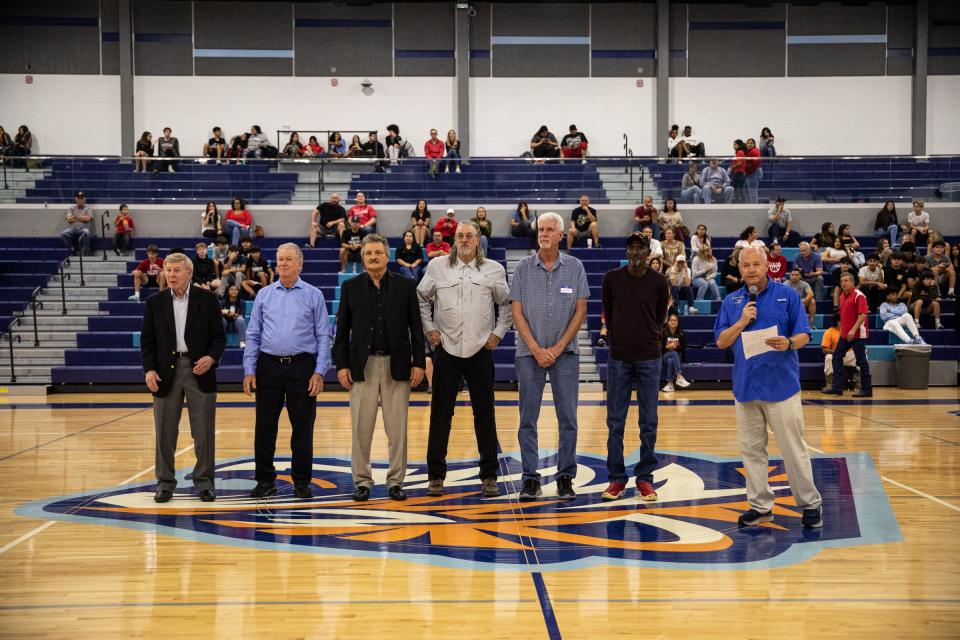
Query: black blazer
{"type": "Point", "coordinates": [204, 336]}
{"type": "Point", "coordinates": [351, 347]}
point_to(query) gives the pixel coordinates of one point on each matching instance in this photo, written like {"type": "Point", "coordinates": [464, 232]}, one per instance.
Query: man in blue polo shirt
{"type": "Point", "coordinates": [766, 387]}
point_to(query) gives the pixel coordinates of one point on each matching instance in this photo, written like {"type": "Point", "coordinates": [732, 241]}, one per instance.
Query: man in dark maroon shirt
{"type": "Point", "coordinates": [635, 302]}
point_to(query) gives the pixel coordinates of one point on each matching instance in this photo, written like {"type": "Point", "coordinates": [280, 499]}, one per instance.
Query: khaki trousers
{"type": "Point", "coordinates": [785, 419]}
{"type": "Point", "coordinates": [377, 389]}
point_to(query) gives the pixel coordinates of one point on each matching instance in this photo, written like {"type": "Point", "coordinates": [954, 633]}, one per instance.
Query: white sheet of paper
{"type": "Point", "coordinates": [754, 342]}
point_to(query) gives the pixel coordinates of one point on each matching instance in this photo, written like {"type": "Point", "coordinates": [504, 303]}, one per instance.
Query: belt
{"type": "Point", "coordinates": [380, 353]}
{"type": "Point", "coordinates": [289, 359]}
{"type": "Point", "coordinates": [181, 354]}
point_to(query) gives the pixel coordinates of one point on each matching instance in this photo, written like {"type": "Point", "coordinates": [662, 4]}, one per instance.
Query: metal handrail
{"type": "Point", "coordinates": [626, 149]}
{"type": "Point", "coordinates": [63, 286]}
{"type": "Point", "coordinates": [104, 225]}
{"type": "Point", "coordinates": [83, 282]}
{"type": "Point", "coordinates": [3, 161]}
{"type": "Point", "coordinates": [34, 305]}
{"type": "Point", "coordinates": [630, 166]}
{"type": "Point", "coordinates": [10, 339]}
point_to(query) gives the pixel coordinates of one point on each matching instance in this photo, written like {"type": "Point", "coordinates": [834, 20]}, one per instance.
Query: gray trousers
{"type": "Point", "coordinates": [201, 408]}
{"type": "Point", "coordinates": [785, 419]}
{"type": "Point", "coordinates": [379, 388]}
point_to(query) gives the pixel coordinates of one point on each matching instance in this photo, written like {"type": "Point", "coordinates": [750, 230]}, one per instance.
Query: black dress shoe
{"type": "Point", "coordinates": [162, 495]}
{"type": "Point", "coordinates": [362, 494]}
{"type": "Point", "coordinates": [263, 489]}
{"type": "Point", "coordinates": [397, 493]}
{"type": "Point", "coordinates": [207, 495]}
{"type": "Point", "coordinates": [861, 394]}
{"type": "Point", "coordinates": [303, 492]}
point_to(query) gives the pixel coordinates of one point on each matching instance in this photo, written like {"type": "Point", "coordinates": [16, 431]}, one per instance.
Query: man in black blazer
{"type": "Point", "coordinates": [181, 342]}
{"type": "Point", "coordinates": [379, 354]}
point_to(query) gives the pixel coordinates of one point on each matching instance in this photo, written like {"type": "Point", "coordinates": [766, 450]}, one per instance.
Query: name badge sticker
{"type": "Point", "coordinates": [566, 290]}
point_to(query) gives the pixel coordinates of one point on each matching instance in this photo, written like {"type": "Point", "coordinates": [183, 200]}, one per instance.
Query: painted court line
{"type": "Point", "coordinates": [905, 487]}
{"type": "Point", "coordinates": [50, 523]}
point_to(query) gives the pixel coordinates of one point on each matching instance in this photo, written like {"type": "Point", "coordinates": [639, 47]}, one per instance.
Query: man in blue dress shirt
{"type": "Point", "coordinates": [286, 355]}
{"type": "Point", "coordinates": [766, 387]}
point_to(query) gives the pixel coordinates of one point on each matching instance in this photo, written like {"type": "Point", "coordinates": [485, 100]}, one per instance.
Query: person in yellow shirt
{"type": "Point", "coordinates": [828, 345]}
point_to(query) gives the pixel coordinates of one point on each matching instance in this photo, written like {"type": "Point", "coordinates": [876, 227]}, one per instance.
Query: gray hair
{"type": "Point", "coordinates": [175, 258]}
{"type": "Point", "coordinates": [372, 238]}
{"type": "Point", "coordinates": [551, 215]}
{"type": "Point", "coordinates": [804, 245]}
{"type": "Point", "coordinates": [295, 247]}
{"type": "Point", "coordinates": [453, 250]}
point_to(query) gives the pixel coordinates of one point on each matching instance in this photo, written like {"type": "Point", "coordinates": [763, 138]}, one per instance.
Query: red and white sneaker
{"type": "Point", "coordinates": [614, 491]}
{"type": "Point", "coordinates": [645, 491]}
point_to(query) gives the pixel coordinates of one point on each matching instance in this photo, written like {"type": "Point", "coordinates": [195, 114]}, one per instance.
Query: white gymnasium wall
{"type": "Point", "coordinates": [943, 114]}
{"type": "Point", "coordinates": [67, 114]}
{"type": "Point", "coordinates": [506, 112]}
{"type": "Point", "coordinates": [865, 115]}
{"type": "Point", "coordinates": [808, 116]}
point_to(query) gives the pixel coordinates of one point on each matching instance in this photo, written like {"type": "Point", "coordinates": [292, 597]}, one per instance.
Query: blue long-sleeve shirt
{"type": "Point", "coordinates": [890, 312]}
{"type": "Point", "coordinates": [286, 322]}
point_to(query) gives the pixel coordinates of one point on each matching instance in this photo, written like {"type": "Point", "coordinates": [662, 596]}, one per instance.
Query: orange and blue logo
{"type": "Point", "coordinates": [693, 524]}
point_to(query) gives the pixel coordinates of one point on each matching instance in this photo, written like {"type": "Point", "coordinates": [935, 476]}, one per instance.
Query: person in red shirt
{"type": "Point", "coordinates": [434, 150]}
{"type": "Point", "coordinates": [646, 215]}
{"type": "Point", "coordinates": [365, 213]}
{"type": "Point", "coordinates": [438, 247]}
{"type": "Point", "coordinates": [123, 228]}
{"type": "Point", "coordinates": [149, 272]}
{"type": "Point", "coordinates": [776, 263]}
{"type": "Point", "coordinates": [738, 169]}
{"type": "Point", "coordinates": [853, 335]}
{"type": "Point", "coordinates": [238, 220]}
{"type": "Point", "coordinates": [754, 171]}
{"type": "Point", "coordinates": [447, 226]}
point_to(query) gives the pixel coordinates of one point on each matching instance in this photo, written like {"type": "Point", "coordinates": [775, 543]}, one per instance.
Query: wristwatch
{"type": "Point", "coordinates": [789, 344]}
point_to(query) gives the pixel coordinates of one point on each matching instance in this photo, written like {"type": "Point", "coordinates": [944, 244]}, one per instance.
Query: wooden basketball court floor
{"type": "Point", "coordinates": [85, 553]}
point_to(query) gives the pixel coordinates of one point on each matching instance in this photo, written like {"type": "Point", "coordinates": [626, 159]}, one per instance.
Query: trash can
{"type": "Point", "coordinates": [913, 366]}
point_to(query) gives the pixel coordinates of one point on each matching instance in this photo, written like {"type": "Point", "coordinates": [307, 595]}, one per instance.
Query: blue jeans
{"type": "Point", "coordinates": [410, 272]}
{"type": "Point", "coordinates": [235, 229]}
{"type": "Point", "coordinates": [622, 377]}
{"type": "Point", "coordinates": [685, 292]}
{"type": "Point", "coordinates": [76, 239]}
{"type": "Point", "coordinates": [565, 384]}
{"type": "Point", "coordinates": [706, 287]}
{"type": "Point", "coordinates": [671, 365]}
{"type": "Point", "coordinates": [753, 185]}
{"type": "Point", "coordinates": [484, 243]}
{"type": "Point", "coordinates": [455, 162]}
{"type": "Point", "coordinates": [891, 231]}
{"type": "Point", "coordinates": [690, 194]}
{"type": "Point", "coordinates": [239, 326]}
{"type": "Point", "coordinates": [706, 194]}
{"type": "Point", "coordinates": [777, 230]}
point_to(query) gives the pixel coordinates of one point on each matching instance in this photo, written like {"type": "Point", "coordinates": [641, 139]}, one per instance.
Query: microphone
{"type": "Point", "coordinates": [753, 297]}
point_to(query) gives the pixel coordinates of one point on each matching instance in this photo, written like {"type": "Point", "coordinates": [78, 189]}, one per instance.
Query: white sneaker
{"type": "Point", "coordinates": [243, 344]}
{"type": "Point", "coordinates": [692, 311]}
{"type": "Point", "coordinates": [938, 325]}
{"type": "Point", "coordinates": [458, 169]}
{"type": "Point", "coordinates": [682, 382]}
{"type": "Point", "coordinates": [583, 161]}
{"type": "Point", "coordinates": [667, 388]}
{"type": "Point", "coordinates": [446, 169]}
{"type": "Point", "coordinates": [170, 168]}
{"type": "Point", "coordinates": [134, 298]}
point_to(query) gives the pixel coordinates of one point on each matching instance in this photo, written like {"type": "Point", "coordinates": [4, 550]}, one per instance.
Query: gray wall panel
{"type": "Point", "coordinates": [424, 26]}
{"type": "Point", "coordinates": [624, 25]}
{"type": "Point", "coordinates": [729, 12]}
{"type": "Point", "coordinates": [243, 25]}
{"type": "Point", "coordinates": [834, 19]}
{"type": "Point", "coordinates": [162, 16]}
{"type": "Point", "coordinates": [900, 21]}
{"type": "Point", "coordinates": [335, 51]}
{"type": "Point", "coordinates": [678, 39]}
{"type": "Point", "coordinates": [110, 53]}
{"type": "Point", "coordinates": [623, 67]}
{"type": "Point", "coordinates": [343, 10]}
{"type": "Point", "coordinates": [837, 59]}
{"type": "Point", "coordinates": [109, 23]}
{"type": "Point", "coordinates": [899, 66]}
{"type": "Point", "coordinates": [425, 67]}
{"type": "Point", "coordinates": [244, 66]}
{"type": "Point", "coordinates": [28, 49]}
{"type": "Point", "coordinates": [528, 19]}
{"type": "Point", "coordinates": [480, 39]}
{"type": "Point", "coordinates": [756, 53]}
{"type": "Point", "coordinates": [541, 61]}
{"type": "Point", "coordinates": [479, 67]}
{"type": "Point", "coordinates": [162, 59]}
{"type": "Point", "coordinates": [944, 33]}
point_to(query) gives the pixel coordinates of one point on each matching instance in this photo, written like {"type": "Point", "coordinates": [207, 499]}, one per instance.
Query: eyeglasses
{"type": "Point", "coordinates": [466, 236]}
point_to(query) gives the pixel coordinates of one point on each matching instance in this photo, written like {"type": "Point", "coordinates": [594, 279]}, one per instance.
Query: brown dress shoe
{"type": "Point", "coordinates": [435, 488]}
{"type": "Point", "coordinates": [490, 487]}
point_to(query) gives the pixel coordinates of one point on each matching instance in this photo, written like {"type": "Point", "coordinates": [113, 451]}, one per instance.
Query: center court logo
{"type": "Point", "coordinates": [692, 525]}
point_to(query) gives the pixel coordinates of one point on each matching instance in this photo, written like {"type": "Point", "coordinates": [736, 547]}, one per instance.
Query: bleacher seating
{"type": "Point", "coordinates": [108, 352]}
{"type": "Point", "coordinates": [193, 183]}
{"type": "Point", "coordinates": [833, 179]}
{"type": "Point", "coordinates": [488, 181]}
{"type": "Point", "coordinates": [25, 263]}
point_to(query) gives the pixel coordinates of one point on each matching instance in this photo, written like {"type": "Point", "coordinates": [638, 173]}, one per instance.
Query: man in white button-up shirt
{"type": "Point", "coordinates": [459, 298]}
